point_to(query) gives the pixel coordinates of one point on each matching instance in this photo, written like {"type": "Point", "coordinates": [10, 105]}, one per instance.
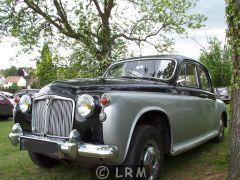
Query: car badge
{"type": "Point", "coordinates": [48, 101]}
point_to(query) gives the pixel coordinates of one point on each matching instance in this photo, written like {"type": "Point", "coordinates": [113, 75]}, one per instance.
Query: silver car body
{"type": "Point", "coordinates": [192, 122]}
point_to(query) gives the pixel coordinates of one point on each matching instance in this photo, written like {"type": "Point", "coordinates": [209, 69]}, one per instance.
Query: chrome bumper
{"type": "Point", "coordinates": [73, 148]}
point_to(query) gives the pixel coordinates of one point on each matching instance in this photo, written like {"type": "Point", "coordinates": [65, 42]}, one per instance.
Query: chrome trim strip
{"type": "Point", "coordinates": [58, 98]}
{"type": "Point", "coordinates": [202, 140]}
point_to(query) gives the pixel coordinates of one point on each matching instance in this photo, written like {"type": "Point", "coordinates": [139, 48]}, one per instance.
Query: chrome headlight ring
{"type": "Point", "coordinates": [85, 105]}
{"type": "Point", "coordinates": [25, 103]}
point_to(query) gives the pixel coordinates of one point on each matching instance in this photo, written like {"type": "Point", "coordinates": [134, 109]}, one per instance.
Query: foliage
{"type": "Point", "coordinates": [233, 35]}
{"type": "Point", "coordinates": [101, 30]}
{"type": "Point", "coordinates": [36, 85]}
{"type": "Point", "coordinates": [46, 71]}
{"type": "Point", "coordinates": [218, 62]}
{"type": "Point", "coordinates": [12, 71]}
{"type": "Point", "coordinates": [14, 87]}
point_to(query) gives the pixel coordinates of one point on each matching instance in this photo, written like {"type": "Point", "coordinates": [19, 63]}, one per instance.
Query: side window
{"type": "Point", "coordinates": [188, 76]}
{"type": "Point", "coordinates": [204, 80]}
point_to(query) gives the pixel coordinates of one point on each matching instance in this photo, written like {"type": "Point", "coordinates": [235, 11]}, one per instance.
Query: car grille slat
{"type": "Point", "coordinates": [53, 116]}
{"type": "Point", "coordinates": [39, 114]}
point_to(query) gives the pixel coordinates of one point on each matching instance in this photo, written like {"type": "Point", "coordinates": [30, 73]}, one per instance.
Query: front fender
{"type": "Point", "coordinates": [123, 114]}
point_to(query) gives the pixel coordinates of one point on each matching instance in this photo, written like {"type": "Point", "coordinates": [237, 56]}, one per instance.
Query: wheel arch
{"type": "Point", "coordinates": [159, 118]}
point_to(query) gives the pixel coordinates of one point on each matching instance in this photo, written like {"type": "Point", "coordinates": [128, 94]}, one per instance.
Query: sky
{"type": "Point", "coordinates": [215, 26]}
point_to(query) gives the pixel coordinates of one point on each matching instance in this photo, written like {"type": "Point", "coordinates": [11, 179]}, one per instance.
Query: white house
{"type": "Point", "coordinates": [19, 80]}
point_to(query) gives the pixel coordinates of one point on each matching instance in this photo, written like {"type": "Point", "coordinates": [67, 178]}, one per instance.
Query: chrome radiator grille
{"type": "Point", "coordinates": [53, 116]}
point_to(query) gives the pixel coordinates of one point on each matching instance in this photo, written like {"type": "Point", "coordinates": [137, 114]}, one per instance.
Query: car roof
{"type": "Point", "coordinates": [6, 93]}
{"type": "Point", "coordinates": [168, 56]}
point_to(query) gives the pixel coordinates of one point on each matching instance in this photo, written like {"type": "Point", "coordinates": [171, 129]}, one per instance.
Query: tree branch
{"type": "Point", "coordinates": [38, 10]}
{"type": "Point", "coordinates": [62, 15]}
{"type": "Point", "coordinates": [108, 8]}
{"type": "Point", "coordinates": [132, 38]}
{"type": "Point", "coordinates": [98, 8]}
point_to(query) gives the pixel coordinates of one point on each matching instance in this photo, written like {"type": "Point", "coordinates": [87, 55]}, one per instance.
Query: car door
{"type": "Point", "coordinates": [208, 98]}
{"type": "Point", "coordinates": [193, 126]}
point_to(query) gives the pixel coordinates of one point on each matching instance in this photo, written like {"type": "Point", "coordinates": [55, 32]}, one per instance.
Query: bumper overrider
{"type": "Point", "coordinates": [60, 148]}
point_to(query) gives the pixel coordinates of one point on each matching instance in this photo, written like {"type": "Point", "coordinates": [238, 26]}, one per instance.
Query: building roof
{"type": "Point", "coordinates": [13, 79]}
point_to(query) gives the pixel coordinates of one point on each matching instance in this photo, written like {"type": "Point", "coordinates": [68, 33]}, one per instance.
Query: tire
{"type": "Point", "coordinates": [220, 136]}
{"type": "Point", "coordinates": [144, 138]}
{"type": "Point", "coordinates": [42, 160]}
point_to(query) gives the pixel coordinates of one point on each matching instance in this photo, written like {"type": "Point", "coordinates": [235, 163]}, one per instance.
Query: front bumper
{"type": "Point", "coordinates": [72, 148]}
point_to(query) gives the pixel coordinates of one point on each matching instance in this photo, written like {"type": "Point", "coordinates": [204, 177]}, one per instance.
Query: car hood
{"type": "Point", "coordinates": [76, 86]}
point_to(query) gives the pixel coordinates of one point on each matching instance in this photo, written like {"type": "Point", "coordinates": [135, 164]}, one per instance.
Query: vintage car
{"type": "Point", "coordinates": [5, 106]}
{"type": "Point", "coordinates": [223, 94]}
{"type": "Point", "coordinates": [15, 98]}
{"type": "Point", "coordinates": [139, 110]}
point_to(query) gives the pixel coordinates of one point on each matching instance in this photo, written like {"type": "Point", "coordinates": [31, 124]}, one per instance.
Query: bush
{"type": "Point", "coordinates": [12, 89]}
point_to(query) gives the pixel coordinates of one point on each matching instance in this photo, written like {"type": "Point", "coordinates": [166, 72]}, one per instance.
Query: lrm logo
{"type": "Point", "coordinates": [118, 172]}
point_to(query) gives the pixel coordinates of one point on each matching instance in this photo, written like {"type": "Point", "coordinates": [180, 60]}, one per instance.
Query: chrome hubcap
{"type": "Point", "coordinates": [150, 160]}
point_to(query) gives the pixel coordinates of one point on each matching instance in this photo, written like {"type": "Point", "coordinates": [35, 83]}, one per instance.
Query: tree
{"type": "Point", "coordinates": [36, 85]}
{"type": "Point", "coordinates": [101, 28]}
{"type": "Point", "coordinates": [46, 71]}
{"type": "Point", "coordinates": [218, 61]}
{"type": "Point", "coordinates": [233, 34]}
{"type": "Point", "coordinates": [12, 71]}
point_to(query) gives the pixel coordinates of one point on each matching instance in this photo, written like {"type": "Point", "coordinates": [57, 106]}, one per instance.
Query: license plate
{"type": "Point", "coordinates": [39, 146]}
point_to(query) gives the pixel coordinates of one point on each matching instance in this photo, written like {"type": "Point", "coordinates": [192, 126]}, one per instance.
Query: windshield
{"type": "Point", "coordinates": [150, 68]}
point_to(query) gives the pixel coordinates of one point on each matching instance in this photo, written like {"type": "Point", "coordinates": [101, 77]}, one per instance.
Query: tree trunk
{"type": "Point", "coordinates": [233, 33]}
{"type": "Point", "coordinates": [234, 169]}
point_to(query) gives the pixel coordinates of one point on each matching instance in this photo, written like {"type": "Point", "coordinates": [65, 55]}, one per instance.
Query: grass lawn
{"type": "Point", "coordinates": [208, 161]}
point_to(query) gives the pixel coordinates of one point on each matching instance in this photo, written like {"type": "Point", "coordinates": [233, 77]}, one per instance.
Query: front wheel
{"type": "Point", "coordinates": [146, 150]}
{"type": "Point", "coordinates": [42, 160]}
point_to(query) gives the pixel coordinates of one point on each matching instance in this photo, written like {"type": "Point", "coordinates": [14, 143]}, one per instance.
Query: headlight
{"type": "Point", "coordinates": [25, 103]}
{"type": "Point", "coordinates": [85, 105]}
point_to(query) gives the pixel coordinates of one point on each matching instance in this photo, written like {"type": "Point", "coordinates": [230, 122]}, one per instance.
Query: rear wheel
{"type": "Point", "coordinates": [220, 137]}
{"type": "Point", "coordinates": [42, 160]}
{"type": "Point", "coordinates": [146, 150]}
